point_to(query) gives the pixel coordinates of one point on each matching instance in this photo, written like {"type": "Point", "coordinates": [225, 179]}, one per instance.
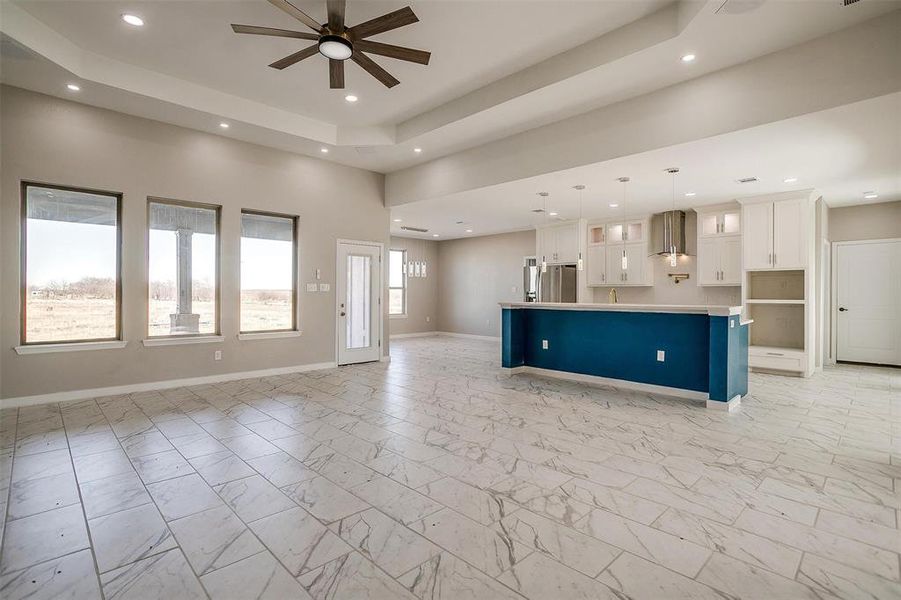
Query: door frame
{"type": "Point", "coordinates": [833, 295]}
{"type": "Point", "coordinates": [381, 293]}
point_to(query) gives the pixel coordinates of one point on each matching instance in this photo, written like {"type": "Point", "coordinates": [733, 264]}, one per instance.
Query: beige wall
{"type": "Point", "coordinates": [422, 292]}
{"type": "Point", "coordinates": [665, 290]}
{"type": "Point", "coordinates": [865, 222]}
{"type": "Point", "coordinates": [476, 274]}
{"type": "Point", "coordinates": [55, 141]}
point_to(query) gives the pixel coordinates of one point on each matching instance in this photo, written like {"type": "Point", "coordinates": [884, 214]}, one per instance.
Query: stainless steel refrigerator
{"type": "Point", "coordinates": [557, 284]}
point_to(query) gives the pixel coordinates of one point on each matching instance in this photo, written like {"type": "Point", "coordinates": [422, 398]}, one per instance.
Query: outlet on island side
{"type": "Point", "coordinates": [661, 356]}
{"type": "Point", "coordinates": [544, 344]}
{"type": "Point", "coordinates": [217, 355]}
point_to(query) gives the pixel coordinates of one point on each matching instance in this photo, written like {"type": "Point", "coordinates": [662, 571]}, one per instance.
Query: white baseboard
{"type": "Point", "coordinates": [618, 383]}
{"type": "Point", "coordinates": [400, 336]}
{"type": "Point", "coordinates": [469, 336]}
{"type": "Point", "coordinates": [730, 406]}
{"type": "Point", "coordinates": [157, 385]}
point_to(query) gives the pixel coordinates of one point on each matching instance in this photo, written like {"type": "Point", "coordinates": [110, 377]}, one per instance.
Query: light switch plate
{"type": "Point", "coordinates": [324, 287]}
{"type": "Point", "coordinates": [661, 356]}
{"type": "Point", "coordinates": [312, 287]}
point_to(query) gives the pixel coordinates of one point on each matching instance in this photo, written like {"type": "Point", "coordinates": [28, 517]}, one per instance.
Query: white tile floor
{"type": "Point", "coordinates": [436, 477]}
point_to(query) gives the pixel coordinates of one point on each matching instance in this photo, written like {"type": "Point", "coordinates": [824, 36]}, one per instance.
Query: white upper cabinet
{"type": "Point", "coordinates": [596, 265]}
{"type": "Point", "coordinates": [758, 235]}
{"type": "Point", "coordinates": [730, 261]}
{"type": "Point", "coordinates": [721, 222]}
{"type": "Point", "coordinates": [559, 243]}
{"type": "Point", "coordinates": [637, 271]}
{"type": "Point", "coordinates": [629, 231]}
{"type": "Point", "coordinates": [775, 234]}
{"type": "Point", "coordinates": [790, 234]}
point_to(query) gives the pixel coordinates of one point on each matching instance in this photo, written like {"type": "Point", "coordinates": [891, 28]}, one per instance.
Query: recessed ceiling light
{"type": "Point", "coordinates": [224, 125]}
{"type": "Point", "coordinates": [690, 194]}
{"type": "Point", "coordinates": [73, 88]}
{"type": "Point", "coordinates": [870, 195]}
{"type": "Point", "coordinates": [790, 180]}
{"type": "Point", "coordinates": [417, 150]}
{"type": "Point", "coordinates": [687, 58]}
{"type": "Point", "coordinates": [134, 20]}
{"type": "Point", "coordinates": [324, 150]}
{"type": "Point", "coordinates": [397, 220]}
{"type": "Point", "coordinates": [434, 235]}
{"type": "Point", "coordinates": [553, 214]}
{"type": "Point", "coordinates": [351, 98]}
{"type": "Point", "coordinates": [614, 205]}
{"type": "Point", "coordinates": [469, 231]}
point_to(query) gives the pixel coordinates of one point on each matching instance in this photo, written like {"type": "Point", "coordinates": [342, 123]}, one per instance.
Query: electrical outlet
{"type": "Point", "coordinates": [544, 344]}
{"type": "Point", "coordinates": [428, 319]}
{"type": "Point", "coordinates": [217, 355]}
{"type": "Point", "coordinates": [732, 323]}
{"type": "Point", "coordinates": [661, 356]}
{"type": "Point", "coordinates": [324, 287]}
{"type": "Point", "coordinates": [312, 287]}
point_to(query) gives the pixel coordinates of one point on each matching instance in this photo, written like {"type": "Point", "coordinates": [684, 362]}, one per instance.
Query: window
{"type": "Point", "coordinates": [268, 272]}
{"type": "Point", "coordinates": [71, 264]}
{"type": "Point", "coordinates": [397, 282]}
{"type": "Point", "coordinates": [183, 268]}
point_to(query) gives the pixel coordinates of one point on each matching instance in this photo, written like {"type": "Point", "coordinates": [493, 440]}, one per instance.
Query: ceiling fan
{"type": "Point", "coordinates": [338, 42]}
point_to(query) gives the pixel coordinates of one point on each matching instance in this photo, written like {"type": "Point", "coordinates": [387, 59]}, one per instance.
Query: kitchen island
{"type": "Point", "coordinates": [698, 352]}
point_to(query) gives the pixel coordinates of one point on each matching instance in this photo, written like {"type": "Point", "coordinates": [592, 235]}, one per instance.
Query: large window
{"type": "Point", "coordinates": [397, 282]}
{"type": "Point", "coordinates": [71, 244]}
{"type": "Point", "coordinates": [183, 262]}
{"type": "Point", "coordinates": [268, 272]}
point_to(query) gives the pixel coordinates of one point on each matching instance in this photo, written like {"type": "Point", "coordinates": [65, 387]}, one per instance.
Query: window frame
{"type": "Point", "coordinates": [23, 264]}
{"type": "Point", "coordinates": [404, 286]}
{"type": "Point", "coordinates": [295, 262]}
{"type": "Point", "coordinates": [217, 269]}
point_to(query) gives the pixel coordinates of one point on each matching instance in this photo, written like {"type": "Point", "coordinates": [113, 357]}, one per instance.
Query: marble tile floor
{"type": "Point", "coordinates": [436, 477]}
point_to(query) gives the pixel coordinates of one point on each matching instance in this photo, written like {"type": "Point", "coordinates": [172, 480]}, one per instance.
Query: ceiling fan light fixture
{"type": "Point", "coordinates": [335, 47]}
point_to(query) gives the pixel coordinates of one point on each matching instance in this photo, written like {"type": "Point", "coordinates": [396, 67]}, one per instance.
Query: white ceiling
{"type": "Point", "coordinates": [840, 152]}
{"type": "Point", "coordinates": [497, 67]}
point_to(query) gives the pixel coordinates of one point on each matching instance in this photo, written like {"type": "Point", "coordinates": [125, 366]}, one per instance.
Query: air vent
{"type": "Point", "coordinates": [416, 229]}
{"type": "Point", "coordinates": [537, 210]}
{"type": "Point", "coordinates": [849, 2]}
{"type": "Point", "coordinates": [365, 149]}
{"type": "Point", "coordinates": [747, 180]}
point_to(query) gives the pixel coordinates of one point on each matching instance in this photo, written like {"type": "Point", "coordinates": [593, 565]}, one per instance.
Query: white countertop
{"type": "Point", "coordinates": [713, 310]}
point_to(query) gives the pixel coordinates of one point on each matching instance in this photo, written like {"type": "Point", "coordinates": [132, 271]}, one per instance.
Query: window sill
{"type": "Point", "coordinates": [268, 335]}
{"type": "Point", "coordinates": [181, 341]}
{"type": "Point", "coordinates": [70, 347]}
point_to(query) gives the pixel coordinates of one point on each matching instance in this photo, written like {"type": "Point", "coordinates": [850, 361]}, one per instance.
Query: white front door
{"type": "Point", "coordinates": [358, 294]}
{"type": "Point", "coordinates": [868, 302]}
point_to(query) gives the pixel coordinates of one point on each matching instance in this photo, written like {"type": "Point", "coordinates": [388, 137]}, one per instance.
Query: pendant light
{"type": "Point", "coordinates": [673, 260]}
{"type": "Point", "coordinates": [625, 259]}
{"type": "Point", "coordinates": [580, 264]}
{"type": "Point", "coordinates": [544, 195]}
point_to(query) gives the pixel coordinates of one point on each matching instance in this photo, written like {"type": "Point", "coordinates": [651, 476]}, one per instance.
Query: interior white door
{"type": "Point", "coordinates": [358, 293]}
{"type": "Point", "coordinates": [790, 234]}
{"type": "Point", "coordinates": [758, 236]}
{"type": "Point", "coordinates": [868, 284]}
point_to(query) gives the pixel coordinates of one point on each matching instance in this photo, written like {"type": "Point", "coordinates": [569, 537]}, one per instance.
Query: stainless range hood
{"type": "Point", "coordinates": [668, 231]}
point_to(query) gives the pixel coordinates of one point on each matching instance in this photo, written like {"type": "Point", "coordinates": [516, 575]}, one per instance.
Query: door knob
{"type": "Point", "coordinates": [842, 309]}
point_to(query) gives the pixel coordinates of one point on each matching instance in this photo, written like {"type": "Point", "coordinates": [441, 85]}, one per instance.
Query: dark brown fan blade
{"type": "Point", "coordinates": [393, 20]}
{"type": "Point", "coordinates": [296, 57]}
{"type": "Point", "coordinates": [297, 14]}
{"type": "Point", "coordinates": [336, 15]}
{"type": "Point", "coordinates": [302, 35]}
{"type": "Point", "coordinates": [373, 69]}
{"type": "Point", "coordinates": [398, 52]}
{"type": "Point", "coordinates": [336, 74]}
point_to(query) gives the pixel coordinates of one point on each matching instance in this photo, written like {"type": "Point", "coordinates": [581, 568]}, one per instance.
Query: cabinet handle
{"type": "Point", "coordinates": [769, 259]}
{"type": "Point", "coordinates": [775, 354]}
{"type": "Point", "coordinates": [774, 259]}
